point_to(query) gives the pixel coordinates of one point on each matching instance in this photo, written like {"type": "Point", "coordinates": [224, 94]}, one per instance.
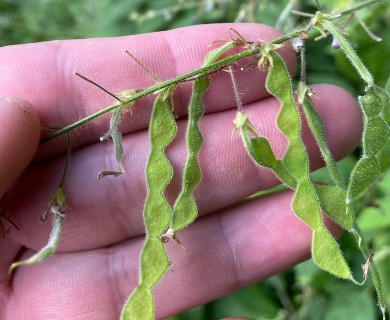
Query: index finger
{"type": "Point", "coordinates": [42, 73]}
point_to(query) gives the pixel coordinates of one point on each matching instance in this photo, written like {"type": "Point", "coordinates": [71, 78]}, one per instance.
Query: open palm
{"type": "Point", "coordinates": [234, 242]}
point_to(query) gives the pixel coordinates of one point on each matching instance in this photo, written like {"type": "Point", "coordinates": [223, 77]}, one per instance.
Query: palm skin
{"type": "Point", "coordinates": [234, 243]}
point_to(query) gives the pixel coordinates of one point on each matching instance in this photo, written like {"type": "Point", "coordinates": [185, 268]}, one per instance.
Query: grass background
{"type": "Point", "coordinates": [304, 292]}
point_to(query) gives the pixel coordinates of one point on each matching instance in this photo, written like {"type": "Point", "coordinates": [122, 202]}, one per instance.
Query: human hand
{"type": "Point", "coordinates": [232, 244]}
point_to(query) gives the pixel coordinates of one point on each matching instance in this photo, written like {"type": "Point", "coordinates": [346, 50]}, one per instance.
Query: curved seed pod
{"type": "Point", "coordinates": [157, 212]}
{"type": "Point", "coordinates": [317, 129]}
{"type": "Point", "coordinates": [306, 206]}
{"type": "Point", "coordinates": [384, 154]}
{"type": "Point", "coordinates": [139, 304]}
{"type": "Point", "coordinates": [325, 250]}
{"type": "Point", "coordinates": [332, 200]}
{"type": "Point", "coordinates": [56, 206]}
{"type": "Point", "coordinates": [260, 151]}
{"type": "Point", "coordinates": [375, 105]}
{"type": "Point", "coordinates": [184, 209]}
{"type": "Point", "coordinates": [322, 23]}
{"type": "Point", "coordinates": [293, 170]}
{"type": "Point", "coordinates": [367, 170]}
{"type": "Point", "coordinates": [116, 135]}
{"type": "Point", "coordinates": [376, 135]}
{"type": "Point", "coordinates": [153, 253]}
{"type": "Point", "coordinates": [326, 254]}
{"type": "Point", "coordinates": [363, 177]}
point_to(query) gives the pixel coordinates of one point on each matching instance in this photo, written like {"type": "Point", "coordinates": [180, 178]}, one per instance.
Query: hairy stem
{"type": "Point", "coordinates": [206, 70]}
{"type": "Point", "coordinates": [358, 6]}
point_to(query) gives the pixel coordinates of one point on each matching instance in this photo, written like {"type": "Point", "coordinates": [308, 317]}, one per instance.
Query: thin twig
{"type": "Point", "coordinates": [98, 85]}
{"type": "Point", "coordinates": [150, 73]}
{"type": "Point", "coordinates": [235, 89]}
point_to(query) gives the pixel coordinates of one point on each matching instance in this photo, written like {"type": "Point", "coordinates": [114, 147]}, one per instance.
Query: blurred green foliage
{"type": "Point", "coordinates": [304, 292]}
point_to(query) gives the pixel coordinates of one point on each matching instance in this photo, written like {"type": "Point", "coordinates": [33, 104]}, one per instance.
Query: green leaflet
{"type": "Point", "coordinates": [157, 212]}
{"type": "Point", "coordinates": [325, 250]}
{"type": "Point", "coordinates": [376, 134]}
{"type": "Point", "coordinates": [184, 209]}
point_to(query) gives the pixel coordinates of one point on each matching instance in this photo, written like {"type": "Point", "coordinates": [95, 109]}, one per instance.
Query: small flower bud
{"type": "Point", "coordinates": [335, 43]}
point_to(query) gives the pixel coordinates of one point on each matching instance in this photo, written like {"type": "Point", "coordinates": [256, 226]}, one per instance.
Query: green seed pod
{"type": "Point", "coordinates": [376, 135]}
{"type": "Point", "coordinates": [326, 254]}
{"type": "Point", "coordinates": [322, 22]}
{"type": "Point", "coordinates": [153, 254]}
{"type": "Point", "coordinates": [139, 304]}
{"type": "Point", "coordinates": [317, 129]}
{"type": "Point", "coordinates": [260, 151]}
{"type": "Point", "coordinates": [115, 134]}
{"type": "Point", "coordinates": [56, 207]}
{"type": "Point", "coordinates": [293, 169]}
{"type": "Point", "coordinates": [157, 212]}
{"type": "Point", "coordinates": [184, 209]}
{"type": "Point", "coordinates": [325, 250]}
{"type": "Point", "coordinates": [332, 200]}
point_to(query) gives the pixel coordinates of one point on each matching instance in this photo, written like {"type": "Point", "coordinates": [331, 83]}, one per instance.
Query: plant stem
{"type": "Point", "coordinates": [203, 71]}
{"type": "Point", "coordinates": [285, 14]}
{"type": "Point", "coordinates": [359, 6]}
{"type": "Point", "coordinates": [349, 52]}
{"type": "Point", "coordinates": [376, 278]}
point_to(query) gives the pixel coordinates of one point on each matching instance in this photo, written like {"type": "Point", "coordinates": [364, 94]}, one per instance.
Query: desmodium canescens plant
{"type": "Point", "coordinates": [340, 202]}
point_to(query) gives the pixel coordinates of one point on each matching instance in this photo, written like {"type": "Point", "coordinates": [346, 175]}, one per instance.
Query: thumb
{"type": "Point", "coordinates": [19, 138]}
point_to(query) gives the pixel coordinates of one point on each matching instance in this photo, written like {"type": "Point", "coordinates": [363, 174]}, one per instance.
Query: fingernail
{"type": "Point", "coordinates": [6, 101]}
{"type": "Point", "coordinates": [15, 103]}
